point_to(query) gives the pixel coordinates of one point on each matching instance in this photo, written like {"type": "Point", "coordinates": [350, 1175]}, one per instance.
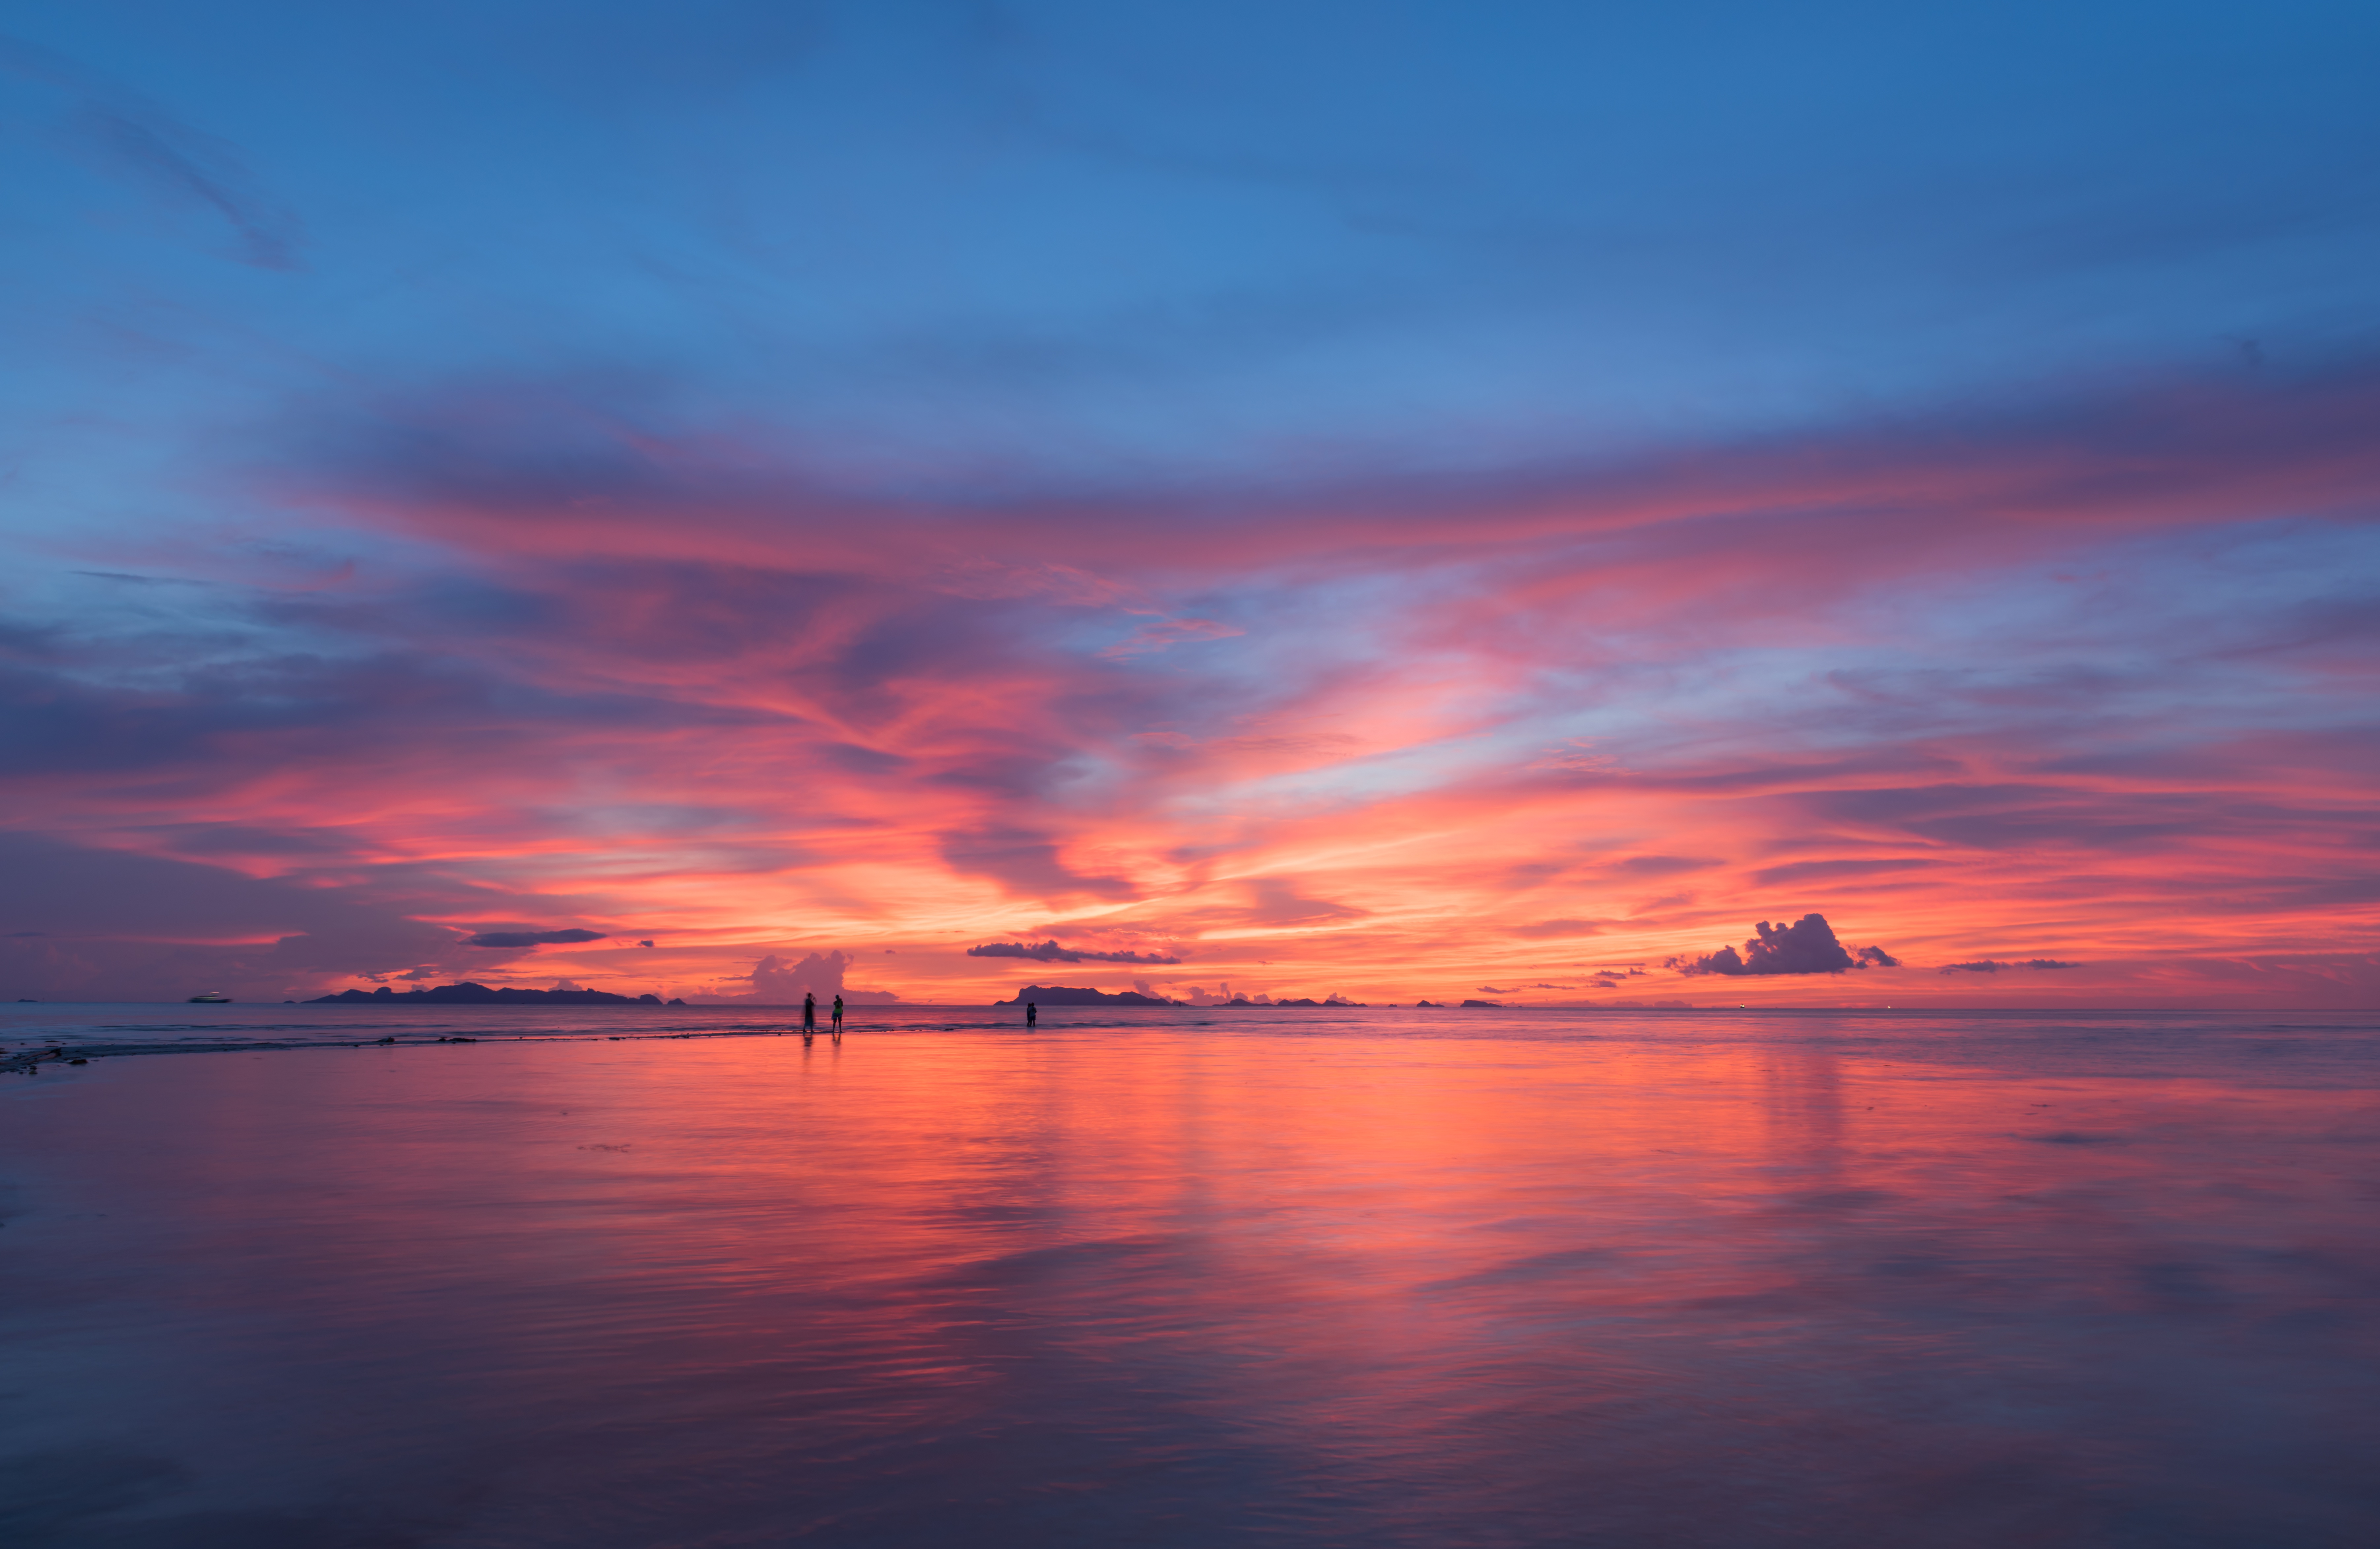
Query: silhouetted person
{"type": "Point", "coordinates": [1032, 1014]}
{"type": "Point", "coordinates": [838, 1015]}
{"type": "Point", "coordinates": [809, 1015]}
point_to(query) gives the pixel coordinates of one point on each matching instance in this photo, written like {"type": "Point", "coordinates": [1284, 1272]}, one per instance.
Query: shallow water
{"type": "Point", "coordinates": [1160, 1277]}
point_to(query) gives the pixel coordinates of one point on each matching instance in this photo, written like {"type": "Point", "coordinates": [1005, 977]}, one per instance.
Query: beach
{"type": "Point", "coordinates": [1676, 1278]}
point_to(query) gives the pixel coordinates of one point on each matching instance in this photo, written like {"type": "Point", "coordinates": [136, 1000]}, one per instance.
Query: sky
{"type": "Point", "coordinates": [1501, 500]}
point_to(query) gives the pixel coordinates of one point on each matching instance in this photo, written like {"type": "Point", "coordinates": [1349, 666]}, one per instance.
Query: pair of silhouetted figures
{"type": "Point", "coordinates": [1032, 1014]}
{"type": "Point", "coordinates": [810, 1017]}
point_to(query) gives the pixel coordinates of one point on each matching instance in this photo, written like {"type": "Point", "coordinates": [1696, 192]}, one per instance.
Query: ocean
{"type": "Point", "coordinates": [634, 1276]}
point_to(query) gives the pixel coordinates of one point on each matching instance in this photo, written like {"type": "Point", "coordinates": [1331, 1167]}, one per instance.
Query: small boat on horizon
{"type": "Point", "coordinates": [212, 997]}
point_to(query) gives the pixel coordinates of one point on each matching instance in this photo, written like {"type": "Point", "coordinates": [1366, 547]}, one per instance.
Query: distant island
{"type": "Point", "coordinates": [1068, 995]}
{"type": "Point", "coordinates": [1065, 994]}
{"type": "Point", "coordinates": [467, 994]}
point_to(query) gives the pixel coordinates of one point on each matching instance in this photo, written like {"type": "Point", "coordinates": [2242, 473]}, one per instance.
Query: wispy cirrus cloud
{"type": "Point", "coordinates": [803, 725]}
{"type": "Point", "coordinates": [532, 938]}
{"type": "Point", "coordinates": [956, 492]}
{"type": "Point", "coordinates": [140, 138]}
{"type": "Point", "coordinates": [1987, 965]}
{"type": "Point", "coordinates": [1050, 952]}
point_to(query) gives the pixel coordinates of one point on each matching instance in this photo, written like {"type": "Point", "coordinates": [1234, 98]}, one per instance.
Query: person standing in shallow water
{"type": "Point", "coordinates": [838, 1015]}
{"type": "Point", "coordinates": [1032, 1014]}
{"type": "Point", "coordinates": [809, 1013]}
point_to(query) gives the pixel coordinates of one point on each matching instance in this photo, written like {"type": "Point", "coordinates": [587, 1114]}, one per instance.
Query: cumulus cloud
{"type": "Point", "coordinates": [533, 938]}
{"type": "Point", "coordinates": [1050, 952]}
{"type": "Point", "coordinates": [777, 982]}
{"type": "Point", "coordinates": [1806, 946]}
{"type": "Point", "coordinates": [1987, 965]}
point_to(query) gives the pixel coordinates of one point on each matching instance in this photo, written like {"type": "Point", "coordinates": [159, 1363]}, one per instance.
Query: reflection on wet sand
{"type": "Point", "coordinates": [1167, 1288]}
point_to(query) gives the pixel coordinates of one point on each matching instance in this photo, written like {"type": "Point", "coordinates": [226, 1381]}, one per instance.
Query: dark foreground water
{"type": "Point", "coordinates": [1182, 1277]}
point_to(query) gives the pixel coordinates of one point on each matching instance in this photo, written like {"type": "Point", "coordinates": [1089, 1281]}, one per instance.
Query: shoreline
{"type": "Point", "coordinates": [59, 1045]}
{"type": "Point", "coordinates": [31, 1062]}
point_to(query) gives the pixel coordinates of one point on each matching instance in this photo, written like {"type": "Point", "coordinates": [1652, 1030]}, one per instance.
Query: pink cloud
{"type": "Point", "coordinates": [662, 684]}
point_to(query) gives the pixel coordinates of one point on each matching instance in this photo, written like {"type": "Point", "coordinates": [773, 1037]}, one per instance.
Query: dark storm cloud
{"type": "Point", "coordinates": [533, 938]}
{"type": "Point", "coordinates": [1050, 952]}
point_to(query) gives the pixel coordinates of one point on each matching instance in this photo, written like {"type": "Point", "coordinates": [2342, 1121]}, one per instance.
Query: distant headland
{"type": "Point", "coordinates": [1068, 995]}
{"type": "Point", "coordinates": [467, 994]}
{"type": "Point", "coordinates": [1063, 994]}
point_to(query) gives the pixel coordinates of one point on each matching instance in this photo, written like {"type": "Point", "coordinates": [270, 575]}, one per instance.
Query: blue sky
{"type": "Point", "coordinates": [1113, 241]}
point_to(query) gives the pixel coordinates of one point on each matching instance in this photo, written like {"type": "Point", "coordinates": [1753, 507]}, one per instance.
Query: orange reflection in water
{"type": "Point", "coordinates": [1161, 1285]}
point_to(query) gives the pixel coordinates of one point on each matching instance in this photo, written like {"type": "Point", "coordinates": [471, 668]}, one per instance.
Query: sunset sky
{"type": "Point", "coordinates": [1386, 500]}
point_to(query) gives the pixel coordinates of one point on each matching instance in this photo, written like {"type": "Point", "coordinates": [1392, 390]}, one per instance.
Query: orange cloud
{"type": "Point", "coordinates": [1959, 690]}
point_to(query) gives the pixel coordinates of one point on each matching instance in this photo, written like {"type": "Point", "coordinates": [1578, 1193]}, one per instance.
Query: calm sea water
{"type": "Point", "coordinates": [620, 1277]}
